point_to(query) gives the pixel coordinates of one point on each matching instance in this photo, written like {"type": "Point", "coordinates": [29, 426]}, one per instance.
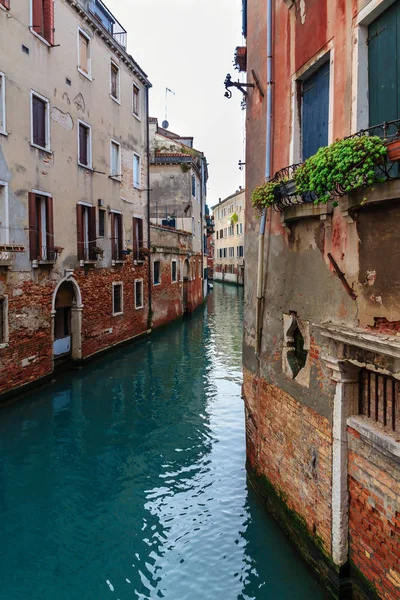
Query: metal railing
{"type": "Point", "coordinates": [108, 22]}
{"type": "Point", "coordinates": [47, 254]}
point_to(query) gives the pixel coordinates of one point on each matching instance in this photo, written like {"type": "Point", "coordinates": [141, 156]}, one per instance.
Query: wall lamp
{"type": "Point", "coordinates": [228, 83]}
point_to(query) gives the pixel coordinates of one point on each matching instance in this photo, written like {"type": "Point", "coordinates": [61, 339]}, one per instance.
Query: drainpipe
{"type": "Point", "coordinates": [150, 312]}
{"type": "Point", "coordinates": [268, 156]}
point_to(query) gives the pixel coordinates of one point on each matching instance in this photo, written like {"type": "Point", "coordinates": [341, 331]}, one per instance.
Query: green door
{"type": "Point", "coordinates": [383, 67]}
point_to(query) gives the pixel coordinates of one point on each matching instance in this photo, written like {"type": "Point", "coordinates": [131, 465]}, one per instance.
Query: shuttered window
{"type": "Point", "coordinates": [138, 293]}
{"type": "Point", "coordinates": [2, 103]}
{"type": "Point", "coordinates": [117, 299]}
{"type": "Point", "coordinates": [114, 77]}
{"type": "Point", "coordinates": [43, 19]}
{"type": "Point", "coordinates": [156, 272]}
{"type": "Point", "coordinates": [86, 232]}
{"type": "Point", "coordinates": [116, 236]}
{"type": "Point", "coordinates": [115, 160]}
{"type": "Point", "coordinates": [135, 100]}
{"type": "Point", "coordinates": [174, 271]}
{"type": "Point", "coordinates": [41, 228]}
{"type": "Point", "coordinates": [137, 238]}
{"type": "Point", "coordinates": [383, 66]}
{"type": "Point", "coordinates": [315, 111]}
{"type": "Point", "coordinates": [380, 399]}
{"type": "Point", "coordinates": [102, 222]}
{"type": "Point", "coordinates": [40, 133]}
{"type": "Point", "coordinates": [85, 145]}
{"type": "Point", "coordinates": [136, 171]}
{"type": "Point", "coordinates": [84, 62]}
{"type": "Point", "coordinates": [193, 186]}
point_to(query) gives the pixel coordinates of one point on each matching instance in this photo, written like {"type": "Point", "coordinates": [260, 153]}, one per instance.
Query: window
{"type": "Point", "coordinates": [193, 186]}
{"type": "Point", "coordinates": [315, 111]}
{"type": "Point", "coordinates": [117, 307]}
{"type": "Point", "coordinates": [138, 293]}
{"type": "Point", "coordinates": [84, 52]}
{"type": "Point", "coordinates": [86, 232]}
{"type": "Point", "coordinates": [2, 103]}
{"type": "Point", "coordinates": [225, 232]}
{"type": "Point", "coordinates": [116, 236]}
{"type": "Point", "coordinates": [137, 238]}
{"type": "Point", "coordinates": [4, 214]}
{"type": "Point", "coordinates": [240, 251]}
{"type": "Point", "coordinates": [102, 222]}
{"type": "Point", "coordinates": [231, 252]}
{"type": "Point", "coordinates": [41, 229]}
{"type": "Point", "coordinates": [217, 234]}
{"type": "Point", "coordinates": [40, 123]}
{"type": "Point", "coordinates": [42, 23]}
{"type": "Point", "coordinates": [156, 273]}
{"type": "Point", "coordinates": [115, 160]}
{"type": "Point", "coordinates": [136, 171]}
{"type": "Point", "coordinates": [231, 230]}
{"type": "Point", "coordinates": [85, 145]}
{"type": "Point", "coordinates": [3, 321]}
{"type": "Point", "coordinates": [221, 233]}
{"type": "Point", "coordinates": [380, 398]}
{"type": "Point", "coordinates": [174, 271]}
{"type": "Point", "coordinates": [136, 100]}
{"type": "Point", "coordinates": [114, 81]}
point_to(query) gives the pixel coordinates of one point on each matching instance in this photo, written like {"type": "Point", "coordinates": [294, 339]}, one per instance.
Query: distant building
{"type": "Point", "coordinates": [178, 183]}
{"type": "Point", "coordinates": [209, 244]}
{"type": "Point", "coordinates": [73, 187]}
{"type": "Point", "coordinates": [229, 238]}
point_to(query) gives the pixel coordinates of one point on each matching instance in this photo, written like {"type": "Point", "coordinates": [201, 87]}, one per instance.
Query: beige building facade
{"type": "Point", "coordinates": [228, 238]}
{"type": "Point", "coordinates": [73, 186]}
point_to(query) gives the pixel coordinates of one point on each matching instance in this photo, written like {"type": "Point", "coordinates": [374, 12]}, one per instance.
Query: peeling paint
{"type": "Point", "coordinates": [302, 11]}
{"type": "Point", "coordinates": [63, 119]}
{"type": "Point", "coordinates": [79, 102]}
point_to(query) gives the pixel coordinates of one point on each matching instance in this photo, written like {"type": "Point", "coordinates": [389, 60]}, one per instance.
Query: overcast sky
{"type": "Point", "coordinates": [188, 46]}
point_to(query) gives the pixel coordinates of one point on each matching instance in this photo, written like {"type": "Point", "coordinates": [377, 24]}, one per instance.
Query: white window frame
{"type": "Point", "coordinates": [6, 330]}
{"type": "Point", "coordinates": [326, 54]}
{"type": "Point", "coordinates": [142, 294]}
{"type": "Point", "coordinates": [90, 154]}
{"type": "Point", "coordinates": [154, 261]}
{"type": "Point", "coordinates": [3, 125]}
{"type": "Point", "coordinates": [137, 185]}
{"type": "Point", "coordinates": [116, 99]}
{"type": "Point", "coordinates": [88, 75]}
{"type": "Point", "coordinates": [47, 148]}
{"type": "Point", "coordinates": [176, 271]}
{"type": "Point", "coordinates": [117, 176]}
{"type": "Point", "coordinates": [42, 39]}
{"type": "Point", "coordinates": [4, 184]}
{"type": "Point", "coordinates": [139, 95]}
{"type": "Point", "coordinates": [115, 283]}
{"type": "Point", "coordinates": [360, 102]}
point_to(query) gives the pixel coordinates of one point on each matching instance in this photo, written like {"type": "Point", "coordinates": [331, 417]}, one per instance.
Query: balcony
{"type": "Point", "coordinates": [46, 255]}
{"type": "Point", "coordinates": [108, 22]}
{"type": "Point", "coordinates": [240, 60]}
{"type": "Point", "coordinates": [7, 254]}
{"type": "Point", "coordinates": [366, 162]}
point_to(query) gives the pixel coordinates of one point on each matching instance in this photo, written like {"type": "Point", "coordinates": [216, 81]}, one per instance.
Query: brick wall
{"type": "Point", "coordinates": [374, 490]}
{"type": "Point", "coordinates": [291, 446]}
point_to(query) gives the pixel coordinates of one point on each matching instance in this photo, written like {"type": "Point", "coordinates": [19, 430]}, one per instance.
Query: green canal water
{"type": "Point", "coordinates": [126, 480]}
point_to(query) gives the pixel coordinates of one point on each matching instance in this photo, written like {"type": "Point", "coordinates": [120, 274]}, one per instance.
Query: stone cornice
{"type": "Point", "coordinates": [388, 345]}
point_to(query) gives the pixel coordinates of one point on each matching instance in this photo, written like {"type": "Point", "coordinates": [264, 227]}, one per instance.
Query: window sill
{"type": "Point", "coordinates": [156, 284]}
{"type": "Point", "coordinates": [137, 186]}
{"type": "Point", "coordinates": [6, 344]}
{"type": "Point", "coordinates": [382, 192]}
{"type": "Point", "coordinates": [137, 117]}
{"type": "Point", "coordinates": [139, 262]}
{"type": "Point", "coordinates": [87, 167]}
{"type": "Point", "coordinates": [116, 100]}
{"type": "Point", "coordinates": [374, 434]}
{"type": "Point", "coordinates": [306, 211]}
{"type": "Point", "coordinates": [86, 75]}
{"type": "Point", "coordinates": [118, 314]}
{"type": "Point", "coordinates": [139, 307]}
{"type": "Point", "coordinates": [42, 263]}
{"type": "Point", "coordinates": [39, 37]}
{"type": "Point", "coordinates": [2, 132]}
{"type": "Point", "coordinates": [47, 150]}
{"type": "Point", "coordinates": [115, 178]}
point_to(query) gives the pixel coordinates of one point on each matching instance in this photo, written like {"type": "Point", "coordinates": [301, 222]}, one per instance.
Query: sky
{"type": "Point", "coordinates": [188, 46]}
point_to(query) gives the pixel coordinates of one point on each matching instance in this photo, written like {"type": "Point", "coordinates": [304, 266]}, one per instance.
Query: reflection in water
{"type": "Point", "coordinates": [127, 479]}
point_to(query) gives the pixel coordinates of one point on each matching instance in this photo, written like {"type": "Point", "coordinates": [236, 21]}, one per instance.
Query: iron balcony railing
{"type": "Point", "coordinates": [47, 254]}
{"type": "Point", "coordinates": [108, 22]}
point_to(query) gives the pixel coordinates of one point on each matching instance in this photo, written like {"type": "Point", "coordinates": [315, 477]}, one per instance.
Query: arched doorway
{"type": "Point", "coordinates": [186, 276]}
{"type": "Point", "coordinates": [67, 319]}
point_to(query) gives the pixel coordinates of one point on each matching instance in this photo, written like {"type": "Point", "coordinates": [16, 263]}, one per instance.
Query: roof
{"type": "Point", "coordinates": [237, 193]}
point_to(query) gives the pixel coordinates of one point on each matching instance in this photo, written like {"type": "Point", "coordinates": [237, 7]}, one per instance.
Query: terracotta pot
{"type": "Point", "coordinates": [393, 149]}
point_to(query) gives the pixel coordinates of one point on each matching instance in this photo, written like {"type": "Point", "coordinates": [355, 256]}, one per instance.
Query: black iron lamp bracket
{"type": "Point", "coordinates": [228, 83]}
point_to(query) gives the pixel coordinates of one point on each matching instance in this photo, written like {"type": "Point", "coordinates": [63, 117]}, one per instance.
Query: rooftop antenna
{"type": "Point", "coordinates": [165, 123]}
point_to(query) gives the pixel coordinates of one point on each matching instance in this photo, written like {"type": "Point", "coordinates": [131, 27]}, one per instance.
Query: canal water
{"type": "Point", "coordinates": [126, 480]}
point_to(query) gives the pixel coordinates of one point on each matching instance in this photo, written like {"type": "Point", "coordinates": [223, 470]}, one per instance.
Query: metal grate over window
{"type": "Point", "coordinates": [380, 398]}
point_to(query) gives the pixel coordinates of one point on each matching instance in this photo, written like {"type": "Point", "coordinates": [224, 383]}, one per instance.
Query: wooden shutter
{"type": "Point", "coordinates": [120, 233]}
{"type": "Point", "coordinates": [92, 232]}
{"type": "Point", "coordinates": [114, 81]}
{"type": "Point", "coordinates": [49, 228]}
{"type": "Point", "coordinates": [83, 144]}
{"type": "Point", "coordinates": [79, 232]}
{"type": "Point", "coordinates": [113, 240]}
{"type": "Point", "coordinates": [48, 18]}
{"type": "Point", "coordinates": [315, 115]}
{"type": "Point", "coordinates": [38, 17]}
{"type": "Point", "coordinates": [140, 233]}
{"type": "Point", "coordinates": [135, 240]}
{"type": "Point", "coordinates": [33, 232]}
{"type": "Point", "coordinates": [39, 121]}
{"type": "Point", "coordinates": [83, 53]}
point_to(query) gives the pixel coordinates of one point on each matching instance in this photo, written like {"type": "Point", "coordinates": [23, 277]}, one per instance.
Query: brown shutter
{"type": "Point", "coordinates": [37, 17]}
{"type": "Point", "coordinates": [49, 228]}
{"type": "Point", "coordinates": [140, 228]}
{"type": "Point", "coordinates": [113, 240]}
{"type": "Point", "coordinates": [39, 121]}
{"type": "Point", "coordinates": [33, 233]}
{"type": "Point", "coordinates": [120, 234]}
{"type": "Point", "coordinates": [79, 231]}
{"type": "Point", "coordinates": [92, 233]}
{"type": "Point", "coordinates": [83, 143]}
{"type": "Point", "coordinates": [83, 53]}
{"type": "Point", "coordinates": [135, 241]}
{"type": "Point", "coordinates": [48, 26]}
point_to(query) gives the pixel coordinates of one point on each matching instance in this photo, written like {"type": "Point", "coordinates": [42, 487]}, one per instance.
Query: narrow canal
{"type": "Point", "coordinates": [127, 479]}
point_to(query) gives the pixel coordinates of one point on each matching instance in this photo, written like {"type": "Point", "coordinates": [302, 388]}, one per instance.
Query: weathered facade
{"type": "Point", "coordinates": [229, 219]}
{"type": "Point", "coordinates": [178, 182]}
{"type": "Point", "coordinates": [73, 187]}
{"type": "Point", "coordinates": [322, 314]}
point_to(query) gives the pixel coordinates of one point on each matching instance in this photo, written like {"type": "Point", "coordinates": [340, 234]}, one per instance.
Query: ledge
{"type": "Point", "coordinates": [380, 343]}
{"type": "Point", "coordinates": [305, 211]}
{"type": "Point", "coordinates": [381, 192]}
{"type": "Point", "coordinates": [374, 434]}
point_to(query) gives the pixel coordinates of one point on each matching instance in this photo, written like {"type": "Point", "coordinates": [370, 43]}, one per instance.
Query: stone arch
{"type": "Point", "coordinates": [67, 320]}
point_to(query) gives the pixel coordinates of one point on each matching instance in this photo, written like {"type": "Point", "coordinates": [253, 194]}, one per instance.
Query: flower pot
{"type": "Point", "coordinates": [393, 150]}
{"type": "Point", "coordinates": [289, 187]}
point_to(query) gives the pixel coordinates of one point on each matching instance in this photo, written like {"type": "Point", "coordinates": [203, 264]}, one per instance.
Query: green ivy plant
{"type": "Point", "coordinates": [234, 218]}
{"type": "Point", "coordinates": [347, 164]}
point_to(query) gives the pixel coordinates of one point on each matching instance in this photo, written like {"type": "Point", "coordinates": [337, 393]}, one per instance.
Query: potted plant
{"type": "Point", "coordinates": [393, 150]}
{"type": "Point", "coordinates": [99, 251]}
